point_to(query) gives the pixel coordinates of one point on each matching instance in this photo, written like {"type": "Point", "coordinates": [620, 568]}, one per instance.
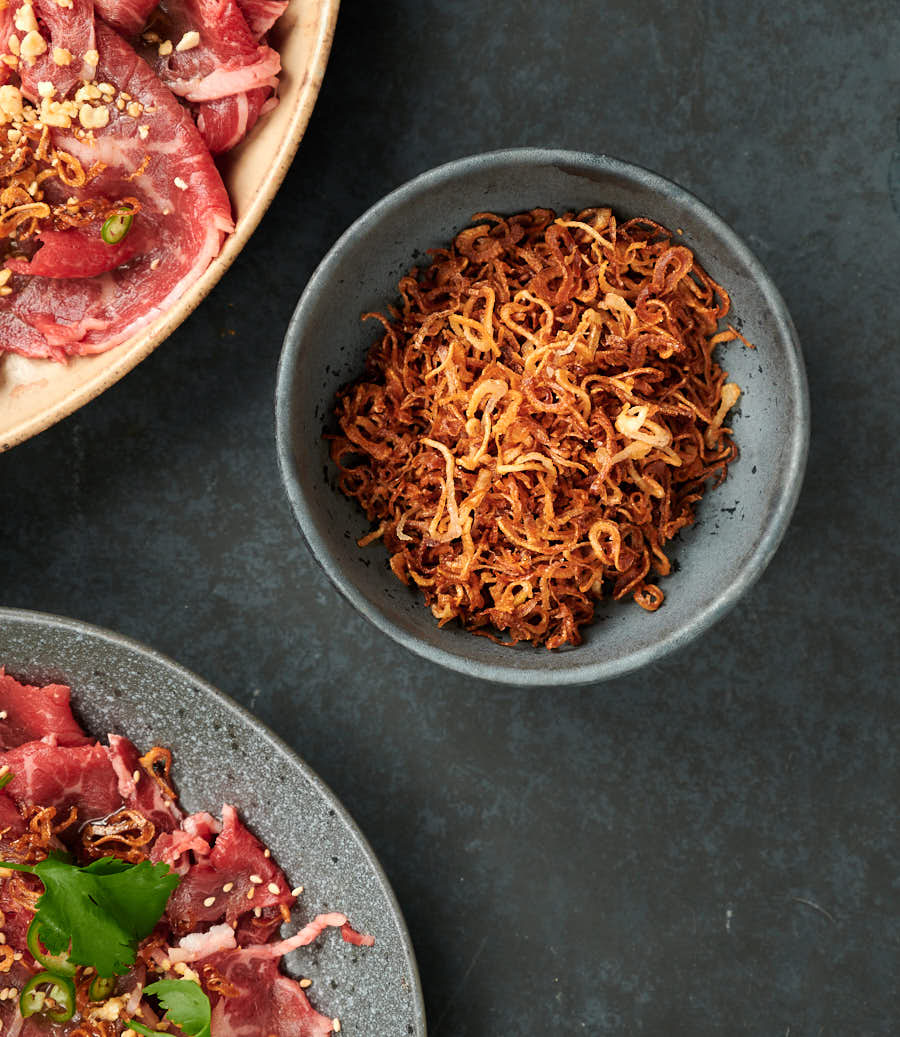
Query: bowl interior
{"type": "Point", "coordinates": [36, 393]}
{"type": "Point", "coordinates": [739, 524]}
{"type": "Point", "coordinates": [223, 755]}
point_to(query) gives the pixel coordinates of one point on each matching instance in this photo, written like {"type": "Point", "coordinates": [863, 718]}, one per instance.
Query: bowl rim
{"type": "Point", "coordinates": [27, 617]}
{"type": "Point", "coordinates": [142, 344]}
{"type": "Point", "coordinates": [577, 163]}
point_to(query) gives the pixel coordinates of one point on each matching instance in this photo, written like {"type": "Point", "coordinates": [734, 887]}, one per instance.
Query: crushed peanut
{"type": "Point", "coordinates": [25, 20]}
{"type": "Point", "coordinates": [61, 56]}
{"type": "Point", "coordinates": [143, 132]}
{"type": "Point", "coordinates": [188, 41]}
{"type": "Point", "coordinates": [32, 46]}
{"type": "Point", "coordinates": [134, 109]}
{"type": "Point", "coordinates": [10, 102]}
{"type": "Point", "coordinates": [93, 118]}
{"type": "Point", "coordinates": [13, 44]}
{"type": "Point", "coordinates": [165, 48]}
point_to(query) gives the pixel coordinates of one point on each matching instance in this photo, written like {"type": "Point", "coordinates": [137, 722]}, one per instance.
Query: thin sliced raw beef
{"type": "Point", "coordinates": [76, 252]}
{"type": "Point", "coordinates": [70, 27]}
{"type": "Point", "coordinates": [228, 76]}
{"type": "Point", "coordinates": [225, 122]}
{"type": "Point", "coordinates": [63, 776]}
{"type": "Point", "coordinates": [267, 1003]}
{"type": "Point", "coordinates": [141, 793]}
{"type": "Point", "coordinates": [227, 60]}
{"type": "Point", "coordinates": [28, 713]}
{"type": "Point", "coordinates": [261, 15]}
{"type": "Point", "coordinates": [179, 229]}
{"type": "Point", "coordinates": [12, 824]}
{"type": "Point", "coordinates": [236, 856]}
{"type": "Point", "coordinates": [126, 16]}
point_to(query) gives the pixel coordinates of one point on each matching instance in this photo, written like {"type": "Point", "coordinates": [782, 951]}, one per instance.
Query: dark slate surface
{"type": "Point", "coordinates": [708, 846]}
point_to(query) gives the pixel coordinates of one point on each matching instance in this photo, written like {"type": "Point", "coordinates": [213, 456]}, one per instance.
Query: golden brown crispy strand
{"type": "Point", "coordinates": [539, 418]}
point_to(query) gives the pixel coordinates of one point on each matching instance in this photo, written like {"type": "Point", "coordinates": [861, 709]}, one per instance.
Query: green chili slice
{"type": "Point", "coordinates": [56, 1002]}
{"type": "Point", "coordinates": [101, 988]}
{"type": "Point", "coordinates": [116, 226]}
{"type": "Point", "coordinates": [59, 964]}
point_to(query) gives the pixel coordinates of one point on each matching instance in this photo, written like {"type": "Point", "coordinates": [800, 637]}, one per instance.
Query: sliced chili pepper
{"type": "Point", "coordinates": [59, 964]}
{"type": "Point", "coordinates": [116, 226]}
{"type": "Point", "coordinates": [56, 1002]}
{"type": "Point", "coordinates": [101, 988]}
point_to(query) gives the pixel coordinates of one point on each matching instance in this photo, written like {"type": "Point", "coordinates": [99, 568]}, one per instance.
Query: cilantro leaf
{"type": "Point", "coordinates": [5, 778]}
{"type": "Point", "coordinates": [186, 1005]}
{"type": "Point", "coordinates": [99, 913]}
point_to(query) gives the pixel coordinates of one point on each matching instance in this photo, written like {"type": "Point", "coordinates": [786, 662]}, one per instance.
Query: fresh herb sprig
{"type": "Point", "coordinates": [98, 914]}
{"type": "Point", "coordinates": [185, 1004]}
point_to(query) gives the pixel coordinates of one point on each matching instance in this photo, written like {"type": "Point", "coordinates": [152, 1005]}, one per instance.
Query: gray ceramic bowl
{"type": "Point", "coordinates": [739, 525]}
{"type": "Point", "coordinates": [222, 754]}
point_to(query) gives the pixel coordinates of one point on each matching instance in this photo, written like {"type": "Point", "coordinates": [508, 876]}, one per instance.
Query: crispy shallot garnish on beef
{"type": "Point", "coordinates": [539, 418]}
{"type": "Point", "coordinates": [158, 764]}
{"type": "Point", "coordinates": [41, 836]}
{"type": "Point", "coordinates": [126, 834]}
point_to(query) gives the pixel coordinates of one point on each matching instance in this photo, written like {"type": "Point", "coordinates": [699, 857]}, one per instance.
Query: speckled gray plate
{"type": "Point", "coordinates": [222, 754]}
{"type": "Point", "coordinates": [739, 525]}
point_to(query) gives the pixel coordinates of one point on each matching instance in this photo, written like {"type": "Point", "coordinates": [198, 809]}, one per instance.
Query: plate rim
{"type": "Point", "coordinates": [581, 164]}
{"type": "Point", "coordinates": [28, 617]}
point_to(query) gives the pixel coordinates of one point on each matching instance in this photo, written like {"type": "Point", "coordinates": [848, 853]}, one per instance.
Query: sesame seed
{"type": "Point", "coordinates": [305, 983]}
{"type": "Point", "coordinates": [17, 956]}
{"type": "Point", "coordinates": [180, 184]}
{"type": "Point", "coordinates": [273, 888]}
{"type": "Point", "coordinates": [2, 938]}
{"type": "Point", "coordinates": [143, 132]}
{"type": "Point", "coordinates": [296, 891]}
{"type": "Point", "coordinates": [256, 880]}
{"type": "Point", "coordinates": [3, 716]}
{"type": "Point", "coordinates": [136, 776]}
{"type": "Point", "coordinates": [228, 887]}
{"type": "Point", "coordinates": [267, 852]}
{"type": "Point", "coordinates": [154, 263]}
{"type": "Point", "coordinates": [257, 912]}
{"type": "Point", "coordinates": [209, 901]}
{"type": "Point", "coordinates": [5, 768]}
{"type": "Point", "coordinates": [250, 892]}
{"type": "Point", "coordinates": [165, 48]}
{"type": "Point", "coordinates": [336, 1024]}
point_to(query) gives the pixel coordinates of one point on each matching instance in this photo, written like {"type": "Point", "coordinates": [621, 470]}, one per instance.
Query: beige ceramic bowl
{"type": "Point", "coordinates": [36, 393]}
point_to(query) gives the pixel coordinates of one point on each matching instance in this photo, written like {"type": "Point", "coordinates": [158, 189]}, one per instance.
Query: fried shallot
{"type": "Point", "coordinates": [539, 418]}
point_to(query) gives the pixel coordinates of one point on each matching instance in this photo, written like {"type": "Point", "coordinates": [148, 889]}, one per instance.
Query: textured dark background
{"type": "Point", "coordinates": [709, 846]}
